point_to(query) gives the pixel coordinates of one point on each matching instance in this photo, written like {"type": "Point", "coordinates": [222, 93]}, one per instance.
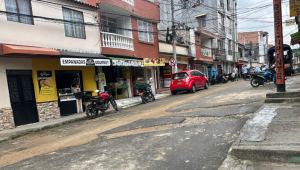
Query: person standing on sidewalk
{"type": "Point", "coordinates": [257, 69]}
{"type": "Point", "coordinates": [245, 72]}
{"type": "Point", "coordinates": [235, 71]}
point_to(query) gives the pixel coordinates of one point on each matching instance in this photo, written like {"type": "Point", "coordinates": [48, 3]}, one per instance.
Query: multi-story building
{"type": "Point", "coordinates": [50, 49]}
{"type": "Point", "coordinates": [214, 16]}
{"type": "Point", "coordinates": [44, 46]}
{"type": "Point", "coordinates": [257, 43]}
{"type": "Point", "coordinates": [128, 36]}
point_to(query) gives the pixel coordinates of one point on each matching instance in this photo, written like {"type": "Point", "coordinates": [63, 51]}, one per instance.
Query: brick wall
{"type": "Point", "coordinates": [249, 36]}
{"type": "Point", "coordinates": [6, 118]}
{"type": "Point", "coordinates": [48, 111]}
{"type": "Point", "coordinates": [142, 8]}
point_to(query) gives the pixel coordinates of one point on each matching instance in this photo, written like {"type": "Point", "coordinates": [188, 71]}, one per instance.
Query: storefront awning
{"type": "Point", "coordinates": [239, 64]}
{"type": "Point", "coordinates": [16, 49]}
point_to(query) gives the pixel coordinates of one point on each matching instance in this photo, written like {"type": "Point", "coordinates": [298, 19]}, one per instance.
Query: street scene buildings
{"type": "Point", "coordinates": [148, 84]}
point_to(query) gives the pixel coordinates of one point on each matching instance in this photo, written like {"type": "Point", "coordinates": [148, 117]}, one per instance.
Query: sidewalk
{"type": "Point", "coordinates": [272, 135]}
{"type": "Point", "coordinates": [122, 103]}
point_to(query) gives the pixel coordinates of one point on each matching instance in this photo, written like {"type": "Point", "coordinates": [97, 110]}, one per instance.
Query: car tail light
{"type": "Point", "coordinates": [187, 79]}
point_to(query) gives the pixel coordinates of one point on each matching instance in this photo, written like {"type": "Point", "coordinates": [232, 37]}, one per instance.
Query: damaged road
{"type": "Point", "coordinates": [166, 134]}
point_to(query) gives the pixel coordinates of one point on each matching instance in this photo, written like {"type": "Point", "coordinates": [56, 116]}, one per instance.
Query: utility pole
{"type": "Point", "coordinates": [279, 58]}
{"type": "Point", "coordinates": [174, 36]}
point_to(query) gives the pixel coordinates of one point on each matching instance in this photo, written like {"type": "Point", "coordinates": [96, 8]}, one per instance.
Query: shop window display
{"type": "Point", "coordinates": [118, 78]}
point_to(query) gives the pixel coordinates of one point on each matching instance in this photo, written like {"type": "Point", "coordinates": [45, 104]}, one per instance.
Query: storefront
{"type": "Point", "coordinates": [164, 73]}
{"type": "Point", "coordinates": [119, 77]}
{"type": "Point", "coordinates": [56, 81]}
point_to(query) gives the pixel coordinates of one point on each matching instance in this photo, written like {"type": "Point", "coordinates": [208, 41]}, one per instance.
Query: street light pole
{"type": "Point", "coordinates": [174, 36]}
{"type": "Point", "coordinates": [279, 58]}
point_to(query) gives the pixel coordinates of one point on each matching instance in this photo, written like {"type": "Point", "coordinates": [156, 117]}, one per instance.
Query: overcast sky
{"type": "Point", "coordinates": [265, 16]}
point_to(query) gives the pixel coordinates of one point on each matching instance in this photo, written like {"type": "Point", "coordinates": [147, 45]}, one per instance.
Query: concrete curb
{"type": "Point", "coordinates": [24, 130]}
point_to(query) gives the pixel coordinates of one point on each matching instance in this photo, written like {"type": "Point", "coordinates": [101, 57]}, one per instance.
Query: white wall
{"type": "Point", "coordinates": [12, 64]}
{"type": "Point", "coordinates": [168, 48]}
{"type": "Point", "coordinates": [206, 42]}
{"type": "Point", "coordinates": [45, 33]}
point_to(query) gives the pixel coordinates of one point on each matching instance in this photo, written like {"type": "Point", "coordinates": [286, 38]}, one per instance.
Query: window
{"type": "Point", "coordinates": [145, 31]}
{"type": "Point", "coordinates": [228, 5]}
{"type": "Point", "coordinates": [197, 37]}
{"type": "Point", "coordinates": [19, 7]}
{"type": "Point", "coordinates": [108, 24]}
{"type": "Point", "coordinates": [75, 27]}
{"type": "Point", "coordinates": [229, 47]}
{"type": "Point", "coordinates": [202, 21]}
{"type": "Point", "coordinates": [180, 76]}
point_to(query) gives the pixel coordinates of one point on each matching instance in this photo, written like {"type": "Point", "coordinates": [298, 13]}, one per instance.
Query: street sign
{"type": "Point", "coordinates": [172, 62]}
{"type": "Point", "coordinates": [294, 8]}
{"type": "Point", "coordinates": [289, 22]}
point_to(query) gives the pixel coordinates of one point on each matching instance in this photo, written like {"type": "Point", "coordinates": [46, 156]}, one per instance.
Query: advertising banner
{"type": "Point", "coordinates": [154, 62]}
{"type": "Point", "coordinates": [135, 63]}
{"type": "Point", "coordinates": [45, 82]}
{"type": "Point", "coordinates": [84, 62]}
{"type": "Point", "coordinates": [294, 8]}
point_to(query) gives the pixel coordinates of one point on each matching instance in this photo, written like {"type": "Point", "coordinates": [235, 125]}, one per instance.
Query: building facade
{"type": "Point", "coordinates": [39, 41]}
{"type": "Point", "coordinates": [257, 43]}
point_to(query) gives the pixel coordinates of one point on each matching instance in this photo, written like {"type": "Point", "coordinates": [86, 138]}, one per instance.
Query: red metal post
{"type": "Point", "coordinates": [279, 58]}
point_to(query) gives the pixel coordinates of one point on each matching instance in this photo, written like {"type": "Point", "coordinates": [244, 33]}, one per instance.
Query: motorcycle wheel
{"type": "Point", "coordinates": [114, 104]}
{"type": "Point", "coordinates": [254, 82]}
{"type": "Point", "coordinates": [91, 113]}
{"type": "Point", "coordinates": [144, 100]}
{"type": "Point", "coordinates": [232, 80]}
{"type": "Point", "coordinates": [212, 82]}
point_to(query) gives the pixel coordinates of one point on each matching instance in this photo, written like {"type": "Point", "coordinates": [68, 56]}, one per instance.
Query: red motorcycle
{"type": "Point", "coordinates": [96, 104]}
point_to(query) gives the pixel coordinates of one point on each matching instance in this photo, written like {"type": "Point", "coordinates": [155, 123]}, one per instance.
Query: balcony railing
{"type": "Point", "coordinates": [117, 41]}
{"type": "Point", "coordinates": [131, 2]}
{"type": "Point", "coordinates": [229, 52]}
{"type": "Point", "coordinates": [206, 52]}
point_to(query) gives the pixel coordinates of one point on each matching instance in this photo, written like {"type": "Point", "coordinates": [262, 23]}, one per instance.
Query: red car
{"type": "Point", "coordinates": [188, 80]}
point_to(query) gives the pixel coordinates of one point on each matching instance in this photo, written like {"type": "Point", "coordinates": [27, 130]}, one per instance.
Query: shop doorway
{"type": "Point", "coordinates": [22, 97]}
{"type": "Point", "coordinates": [67, 83]}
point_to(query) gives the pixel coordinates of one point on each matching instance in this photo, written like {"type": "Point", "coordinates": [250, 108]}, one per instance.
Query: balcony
{"type": "Point", "coordinates": [229, 52]}
{"type": "Point", "coordinates": [131, 2]}
{"type": "Point", "coordinates": [206, 52]}
{"type": "Point", "coordinates": [112, 40]}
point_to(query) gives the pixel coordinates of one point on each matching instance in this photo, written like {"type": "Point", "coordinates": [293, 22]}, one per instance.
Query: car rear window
{"type": "Point", "coordinates": [180, 76]}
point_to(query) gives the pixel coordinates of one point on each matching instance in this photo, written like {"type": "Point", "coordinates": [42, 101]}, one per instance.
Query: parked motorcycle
{"type": "Point", "coordinates": [146, 93]}
{"type": "Point", "coordinates": [230, 77]}
{"type": "Point", "coordinates": [96, 104]}
{"type": "Point", "coordinates": [219, 79]}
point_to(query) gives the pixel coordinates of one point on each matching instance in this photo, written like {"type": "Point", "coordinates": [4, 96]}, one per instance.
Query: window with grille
{"type": "Point", "coordinates": [145, 31]}
{"type": "Point", "coordinates": [18, 7]}
{"type": "Point", "coordinates": [74, 27]}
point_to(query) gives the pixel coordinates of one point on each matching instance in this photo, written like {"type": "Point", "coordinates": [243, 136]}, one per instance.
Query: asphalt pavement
{"type": "Point", "coordinates": [186, 131]}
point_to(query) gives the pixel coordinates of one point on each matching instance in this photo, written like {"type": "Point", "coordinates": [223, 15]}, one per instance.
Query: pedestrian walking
{"type": "Point", "coordinates": [235, 71]}
{"type": "Point", "coordinates": [257, 69]}
{"type": "Point", "coordinates": [245, 72]}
